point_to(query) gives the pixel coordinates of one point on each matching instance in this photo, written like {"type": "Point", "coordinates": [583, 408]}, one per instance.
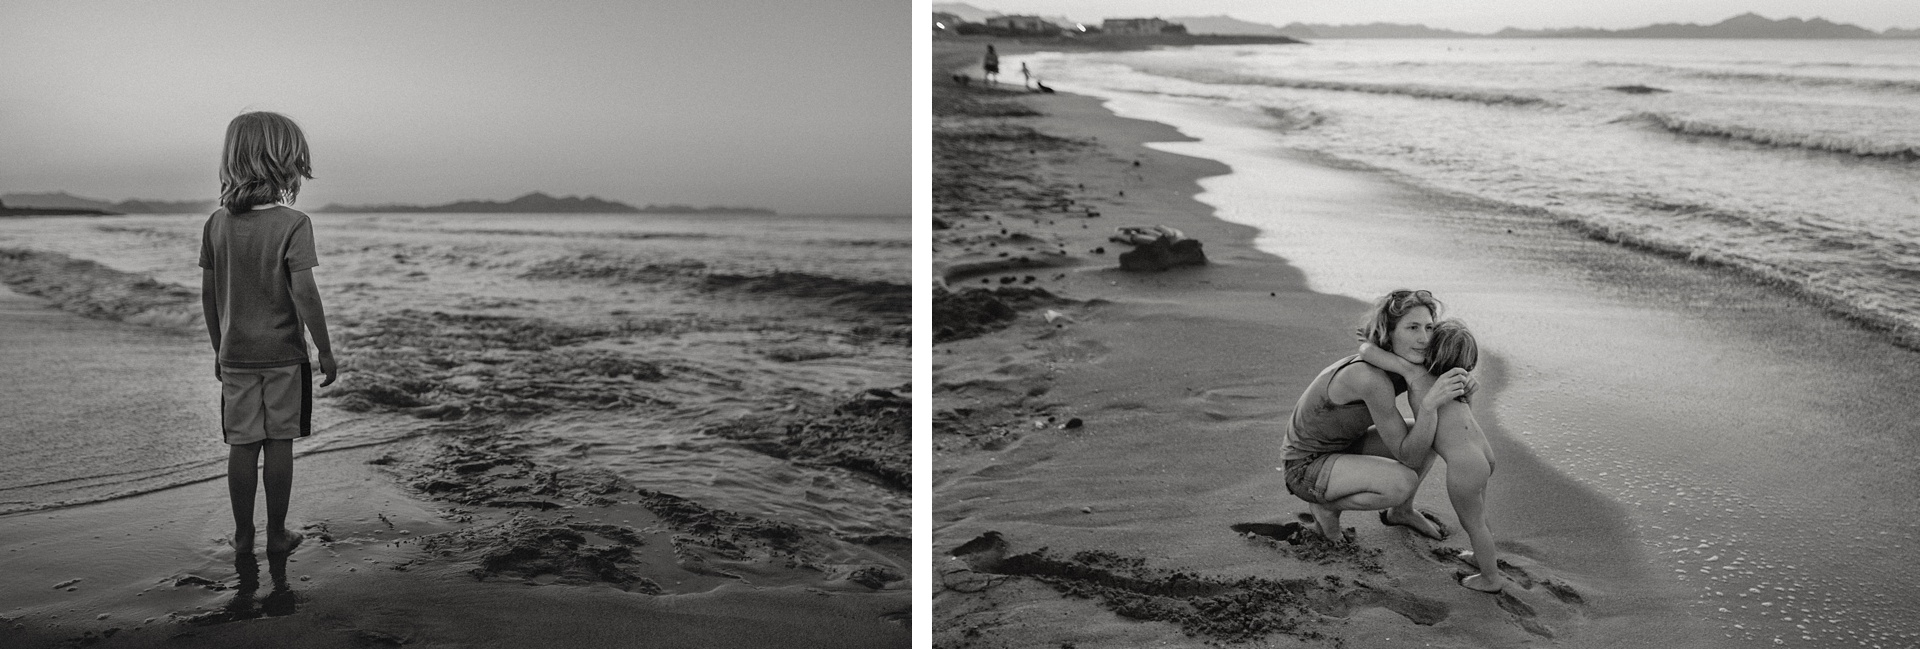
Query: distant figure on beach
{"type": "Point", "coordinates": [257, 290]}
{"type": "Point", "coordinates": [1347, 447]}
{"type": "Point", "coordinates": [1457, 438]}
{"type": "Point", "coordinates": [1026, 77]}
{"type": "Point", "coordinates": [992, 66]}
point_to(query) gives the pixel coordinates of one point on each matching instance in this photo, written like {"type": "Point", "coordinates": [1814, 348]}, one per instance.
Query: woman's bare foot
{"type": "Point", "coordinates": [1326, 520]}
{"type": "Point", "coordinates": [1485, 584]}
{"type": "Point", "coordinates": [242, 541]}
{"type": "Point", "coordinates": [1422, 521]}
{"type": "Point", "coordinates": [282, 541]}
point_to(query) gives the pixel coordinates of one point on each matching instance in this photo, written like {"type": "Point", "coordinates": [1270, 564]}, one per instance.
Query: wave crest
{"type": "Point", "coordinates": [1471, 95]}
{"type": "Point", "coordinates": [1834, 143]}
{"type": "Point", "coordinates": [92, 290]}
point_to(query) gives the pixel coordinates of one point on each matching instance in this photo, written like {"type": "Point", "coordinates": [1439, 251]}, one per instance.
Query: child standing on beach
{"type": "Point", "coordinates": [257, 290]}
{"type": "Point", "coordinates": [1457, 439]}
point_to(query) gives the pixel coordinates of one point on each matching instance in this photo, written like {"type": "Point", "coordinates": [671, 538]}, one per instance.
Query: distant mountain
{"type": "Point", "coordinates": [1896, 32]}
{"type": "Point", "coordinates": [1747, 25]}
{"type": "Point", "coordinates": [1224, 24]}
{"type": "Point", "coordinates": [63, 200]}
{"type": "Point", "coordinates": [49, 211]}
{"type": "Point", "coordinates": [541, 203]}
{"type": "Point", "coordinates": [1370, 30]}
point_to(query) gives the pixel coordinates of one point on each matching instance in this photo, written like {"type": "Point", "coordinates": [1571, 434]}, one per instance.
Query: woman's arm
{"type": "Point", "coordinates": [1390, 361]}
{"type": "Point", "coordinates": [1410, 446]}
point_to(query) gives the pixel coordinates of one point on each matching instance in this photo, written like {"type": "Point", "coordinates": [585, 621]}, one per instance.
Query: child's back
{"type": "Point", "coordinates": [253, 256]}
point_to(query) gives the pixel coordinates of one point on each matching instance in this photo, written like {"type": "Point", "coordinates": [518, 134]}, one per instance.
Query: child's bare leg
{"type": "Point", "coordinates": [241, 482]}
{"type": "Point", "coordinates": [1469, 465]}
{"type": "Point", "coordinates": [279, 482]}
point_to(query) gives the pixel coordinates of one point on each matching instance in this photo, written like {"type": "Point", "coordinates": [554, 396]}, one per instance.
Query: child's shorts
{"type": "Point", "coordinates": [259, 403]}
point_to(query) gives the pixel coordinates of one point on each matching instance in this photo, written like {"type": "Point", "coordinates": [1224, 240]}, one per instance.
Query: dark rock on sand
{"type": "Point", "coordinates": [1163, 254]}
{"type": "Point", "coordinates": [1637, 89]}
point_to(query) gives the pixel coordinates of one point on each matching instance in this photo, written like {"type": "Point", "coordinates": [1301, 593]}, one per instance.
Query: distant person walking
{"type": "Point", "coordinates": [1026, 77]}
{"type": "Point", "coordinates": [992, 66]}
{"type": "Point", "coordinates": [258, 293]}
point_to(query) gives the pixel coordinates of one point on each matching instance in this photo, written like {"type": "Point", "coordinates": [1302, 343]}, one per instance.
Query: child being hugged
{"type": "Point", "coordinates": [1457, 439]}
{"type": "Point", "coordinates": [256, 286]}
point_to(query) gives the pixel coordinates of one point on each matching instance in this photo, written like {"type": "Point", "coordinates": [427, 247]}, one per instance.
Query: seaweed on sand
{"type": "Point", "coordinates": [870, 433]}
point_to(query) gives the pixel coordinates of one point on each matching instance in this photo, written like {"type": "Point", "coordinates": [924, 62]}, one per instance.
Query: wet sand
{"type": "Point", "coordinates": [586, 443]}
{"type": "Point", "coordinates": [1181, 378]}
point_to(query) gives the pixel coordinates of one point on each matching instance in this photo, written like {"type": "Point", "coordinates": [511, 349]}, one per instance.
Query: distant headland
{"type": "Point", "coordinates": [64, 204]}
{"type": "Point", "coordinates": [541, 203]}
{"type": "Point", "coordinates": [959, 18]}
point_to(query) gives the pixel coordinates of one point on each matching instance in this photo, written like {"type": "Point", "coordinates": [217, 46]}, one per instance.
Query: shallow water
{"type": "Point", "coordinates": [1796, 160]}
{"type": "Point", "coordinates": [1761, 447]}
{"type": "Point", "coordinates": [795, 321]}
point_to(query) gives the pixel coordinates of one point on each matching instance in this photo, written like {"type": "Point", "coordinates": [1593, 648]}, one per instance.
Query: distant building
{"type": "Point", "coordinates": [1023, 24]}
{"type": "Point", "coordinates": [943, 21]}
{"type": "Point", "coordinates": [1141, 26]}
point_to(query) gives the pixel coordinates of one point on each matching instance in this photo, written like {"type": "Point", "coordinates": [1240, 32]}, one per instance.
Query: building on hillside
{"type": "Point", "coordinates": [1023, 24]}
{"type": "Point", "coordinates": [1141, 26]}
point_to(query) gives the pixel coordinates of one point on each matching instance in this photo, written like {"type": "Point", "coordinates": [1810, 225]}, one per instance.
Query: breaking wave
{"type": "Point", "coordinates": [1470, 95]}
{"type": "Point", "coordinates": [93, 290]}
{"type": "Point", "coordinates": [1834, 143]}
{"type": "Point", "coordinates": [868, 296]}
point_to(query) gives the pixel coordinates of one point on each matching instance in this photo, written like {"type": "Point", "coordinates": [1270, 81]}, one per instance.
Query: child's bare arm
{"type": "Point", "coordinates": [306, 304]}
{"type": "Point", "coordinates": [1389, 361]}
{"type": "Point", "coordinates": [1392, 362]}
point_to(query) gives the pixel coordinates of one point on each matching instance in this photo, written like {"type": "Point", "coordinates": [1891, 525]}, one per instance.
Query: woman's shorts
{"type": "Point", "coordinates": [259, 403]}
{"type": "Point", "coordinates": [1307, 477]}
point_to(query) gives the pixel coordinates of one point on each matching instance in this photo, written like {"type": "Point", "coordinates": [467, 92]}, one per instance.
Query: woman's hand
{"type": "Point", "coordinates": [1450, 386]}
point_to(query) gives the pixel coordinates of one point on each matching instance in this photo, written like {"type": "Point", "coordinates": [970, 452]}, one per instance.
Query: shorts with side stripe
{"type": "Point", "coordinates": [259, 403]}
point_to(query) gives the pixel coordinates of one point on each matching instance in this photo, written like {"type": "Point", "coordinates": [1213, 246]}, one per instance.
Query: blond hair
{"type": "Point", "coordinates": [1451, 346]}
{"type": "Point", "coordinates": [262, 162]}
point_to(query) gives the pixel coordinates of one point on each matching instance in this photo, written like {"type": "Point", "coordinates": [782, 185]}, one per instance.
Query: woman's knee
{"type": "Point", "coordinates": [1401, 485]}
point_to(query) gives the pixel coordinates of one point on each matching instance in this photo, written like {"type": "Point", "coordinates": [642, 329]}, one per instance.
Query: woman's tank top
{"type": "Point", "coordinates": [1319, 425]}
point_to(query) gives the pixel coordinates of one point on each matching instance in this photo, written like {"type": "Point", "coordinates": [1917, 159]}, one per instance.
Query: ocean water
{"type": "Point", "coordinates": [1797, 161]}
{"type": "Point", "coordinates": [1761, 449]}
{"type": "Point", "coordinates": [794, 310]}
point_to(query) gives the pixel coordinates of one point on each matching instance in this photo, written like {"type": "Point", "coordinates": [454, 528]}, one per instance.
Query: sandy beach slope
{"type": "Point", "coordinates": [1106, 441]}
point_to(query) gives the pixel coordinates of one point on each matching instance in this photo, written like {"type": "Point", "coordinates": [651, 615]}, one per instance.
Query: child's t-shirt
{"type": "Point", "coordinates": [253, 257]}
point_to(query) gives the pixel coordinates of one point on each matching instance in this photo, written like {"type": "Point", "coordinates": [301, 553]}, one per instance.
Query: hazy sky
{"type": "Point", "coordinates": [803, 107]}
{"type": "Point", "coordinates": [1481, 16]}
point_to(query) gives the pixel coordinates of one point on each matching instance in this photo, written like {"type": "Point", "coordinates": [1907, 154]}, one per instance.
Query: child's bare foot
{"type": "Point", "coordinates": [282, 541]}
{"type": "Point", "coordinates": [1485, 584]}
{"type": "Point", "coordinates": [242, 541]}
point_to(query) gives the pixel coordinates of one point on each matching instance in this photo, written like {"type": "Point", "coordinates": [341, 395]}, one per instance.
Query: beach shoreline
{"type": "Point", "coordinates": [1211, 356]}
{"type": "Point", "coordinates": [472, 479]}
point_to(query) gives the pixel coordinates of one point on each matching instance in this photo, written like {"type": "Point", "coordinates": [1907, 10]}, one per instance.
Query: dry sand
{"type": "Point", "coordinates": [1163, 506]}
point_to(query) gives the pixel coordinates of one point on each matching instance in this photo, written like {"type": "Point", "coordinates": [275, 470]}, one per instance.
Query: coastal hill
{"type": "Point", "coordinates": [66, 201]}
{"type": "Point", "coordinates": [49, 211]}
{"type": "Point", "coordinates": [541, 203]}
{"type": "Point", "coordinates": [1747, 25]}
